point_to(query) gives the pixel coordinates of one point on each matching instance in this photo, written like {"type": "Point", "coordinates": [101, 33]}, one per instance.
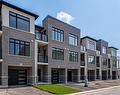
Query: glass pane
{"type": "Point", "coordinates": [11, 48]}
{"type": "Point", "coordinates": [23, 24]}
{"type": "Point", "coordinates": [17, 51]}
{"type": "Point", "coordinates": [12, 21]}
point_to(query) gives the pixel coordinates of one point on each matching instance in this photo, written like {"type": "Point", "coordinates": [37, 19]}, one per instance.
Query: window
{"type": "Point", "coordinates": [114, 63]}
{"type": "Point", "coordinates": [73, 40]}
{"type": "Point", "coordinates": [57, 35]}
{"type": "Point", "coordinates": [73, 56]}
{"type": "Point", "coordinates": [114, 53]}
{"type": "Point", "coordinates": [91, 45]}
{"type": "Point", "coordinates": [104, 50]}
{"type": "Point", "coordinates": [19, 22]}
{"type": "Point", "coordinates": [17, 47]}
{"type": "Point", "coordinates": [57, 54]}
{"type": "Point", "coordinates": [91, 59]}
{"type": "Point", "coordinates": [105, 62]}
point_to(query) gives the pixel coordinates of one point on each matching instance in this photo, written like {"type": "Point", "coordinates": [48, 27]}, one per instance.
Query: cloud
{"type": "Point", "coordinates": [65, 17]}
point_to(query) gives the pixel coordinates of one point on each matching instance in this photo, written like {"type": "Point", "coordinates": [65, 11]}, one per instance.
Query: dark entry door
{"type": "Point", "coordinates": [113, 74]}
{"type": "Point", "coordinates": [91, 75]}
{"type": "Point", "coordinates": [39, 75]}
{"type": "Point", "coordinates": [104, 75]}
{"type": "Point", "coordinates": [12, 77]}
{"type": "Point", "coordinates": [17, 77]}
{"type": "Point", "coordinates": [55, 76]}
{"type": "Point", "coordinates": [69, 76]}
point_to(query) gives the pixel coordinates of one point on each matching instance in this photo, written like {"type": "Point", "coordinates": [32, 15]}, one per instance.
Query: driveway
{"type": "Point", "coordinates": [23, 91]}
{"type": "Point", "coordinates": [104, 91]}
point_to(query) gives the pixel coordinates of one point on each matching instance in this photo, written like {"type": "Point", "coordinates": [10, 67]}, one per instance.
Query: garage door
{"type": "Point", "coordinates": [17, 77]}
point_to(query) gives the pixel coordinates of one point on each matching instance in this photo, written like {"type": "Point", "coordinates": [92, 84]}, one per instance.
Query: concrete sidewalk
{"type": "Point", "coordinates": [104, 91]}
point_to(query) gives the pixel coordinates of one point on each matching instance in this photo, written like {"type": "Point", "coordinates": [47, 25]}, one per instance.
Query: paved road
{"type": "Point", "coordinates": [23, 91]}
{"type": "Point", "coordinates": [104, 91]}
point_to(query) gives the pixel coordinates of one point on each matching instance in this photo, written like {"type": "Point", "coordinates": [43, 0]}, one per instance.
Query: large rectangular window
{"type": "Point", "coordinates": [73, 56]}
{"type": "Point", "coordinates": [91, 59]}
{"type": "Point", "coordinates": [104, 50]}
{"type": "Point", "coordinates": [57, 35]}
{"type": "Point", "coordinates": [17, 47]}
{"type": "Point", "coordinates": [19, 22]}
{"type": "Point", "coordinates": [57, 54]}
{"type": "Point", "coordinates": [105, 61]}
{"type": "Point", "coordinates": [114, 63]}
{"type": "Point", "coordinates": [91, 45]}
{"type": "Point", "coordinates": [73, 40]}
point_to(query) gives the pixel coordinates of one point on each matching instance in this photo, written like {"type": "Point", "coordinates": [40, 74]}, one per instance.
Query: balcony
{"type": "Point", "coordinates": [82, 48]}
{"type": "Point", "coordinates": [0, 53]}
{"type": "Point", "coordinates": [82, 63]}
{"type": "Point", "coordinates": [41, 37]}
{"type": "Point", "coordinates": [42, 59]}
{"type": "Point", "coordinates": [97, 64]}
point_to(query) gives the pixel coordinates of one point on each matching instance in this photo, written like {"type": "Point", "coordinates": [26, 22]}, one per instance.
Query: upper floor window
{"type": "Point", "coordinates": [58, 35]}
{"type": "Point", "coordinates": [114, 53]}
{"type": "Point", "coordinates": [19, 22]}
{"type": "Point", "coordinates": [114, 63]}
{"type": "Point", "coordinates": [105, 61]}
{"type": "Point", "coordinates": [57, 54]}
{"type": "Point", "coordinates": [73, 40]}
{"type": "Point", "coordinates": [91, 45]}
{"type": "Point", "coordinates": [17, 47]}
{"type": "Point", "coordinates": [91, 59]}
{"type": "Point", "coordinates": [73, 56]}
{"type": "Point", "coordinates": [104, 50]}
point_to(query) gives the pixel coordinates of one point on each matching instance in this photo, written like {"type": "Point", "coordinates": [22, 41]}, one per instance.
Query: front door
{"type": "Point", "coordinates": [39, 75]}
{"type": "Point", "coordinates": [55, 76]}
{"type": "Point", "coordinates": [69, 76]}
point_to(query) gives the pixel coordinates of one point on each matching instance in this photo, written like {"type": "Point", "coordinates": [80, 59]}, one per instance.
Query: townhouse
{"type": "Point", "coordinates": [51, 53]}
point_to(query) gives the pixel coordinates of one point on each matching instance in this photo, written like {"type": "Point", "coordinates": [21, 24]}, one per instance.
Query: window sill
{"type": "Point", "coordinates": [21, 30]}
{"type": "Point", "coordinates": [19, 56]}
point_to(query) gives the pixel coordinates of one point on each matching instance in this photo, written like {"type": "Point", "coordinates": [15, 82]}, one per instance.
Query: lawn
{"type": "Point", "coordinates": [57, 89]}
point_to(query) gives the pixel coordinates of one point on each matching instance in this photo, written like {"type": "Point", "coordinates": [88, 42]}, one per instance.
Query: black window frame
{"type": "Point", "coordinates": [75, 38]}
{"type": "Point", "coordinates": [20, 17]}
{"type": "Point", "coordinates": [11, 40]}
{"type": "Point", "coordinates": [56, 30]}
{"type": "Point", "coordinates": [73, 56]}
{"type": "Point", "coordinates": [57, 56]}
{"type": "Point", "coordinates": [90, 61]}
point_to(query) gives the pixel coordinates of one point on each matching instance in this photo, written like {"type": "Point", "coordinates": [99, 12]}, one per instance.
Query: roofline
{"type": "Point", "coordinates": [114, 48]}
{"type": "Point", "coordinates": [37, 26]}
{"type": "Point", "coordinates": [18, 8]}
{"type": "Point", "coordinates": [88, 38]}
{"type": "Point", "coordinates": [48, 16]}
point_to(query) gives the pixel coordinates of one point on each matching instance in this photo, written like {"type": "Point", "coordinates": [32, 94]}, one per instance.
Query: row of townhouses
{"type": "Point", "coordinates": [51, 53]}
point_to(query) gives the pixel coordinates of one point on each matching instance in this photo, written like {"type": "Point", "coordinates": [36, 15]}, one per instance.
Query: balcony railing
{"type": "Point", "coordinates": [82, 48]}
{"type": "Point", "coordinates": [82, 63]}
{"type": "Point", "coordinates": [40, 36]}
{"type": "Point", "coordinates": [97, 64]}
{"type": "Point", "coordinates": [42, 58]}
{"type": "Point", "coordinates": [0, 53]}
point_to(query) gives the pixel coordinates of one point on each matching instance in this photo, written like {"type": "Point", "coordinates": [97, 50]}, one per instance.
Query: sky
{"type": "Point", "coordinates": [99, 19]}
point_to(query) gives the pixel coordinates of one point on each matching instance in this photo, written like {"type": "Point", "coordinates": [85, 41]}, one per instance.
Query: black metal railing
{"type": "Point", "coordinates": [98, 64]}
{"type": "Point", "coordinates": [42, 58]}
{"type": "Point", "coordinates": [0, 53]}
{"type": "Point", "coordinates": [40, 36]}
{"type": "Point", "coordinates": [82, 63]}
